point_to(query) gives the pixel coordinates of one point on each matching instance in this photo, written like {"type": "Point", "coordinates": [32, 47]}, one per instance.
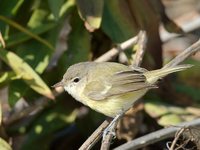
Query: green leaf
{"type": "Point", "coordinates": [55, 7]}
{"type": "Point", "coordinates": [16, 90]}
{"type": "Point", "coordinates": [170, 119]}
{"type": "Point", "coordinates": [26, 31]}
{"type": "Point", "coordinates": [21, 37]}
{"type": "Point", "coordinates": [78, 46]}
{"type": "Point", "coordinates": [7, 8]}
{"type": "Point", "coordinates": [44, 128]}
{"type": "Point", "coordinates": [37, 18]}
{"type": "Point", "coordinates": [7, 76]}
{"type": "Point", "coordinates": [4, 145]}
{"type": "Point", "coordinates": [117, 25]}
{"type": "Point", "coordinates": [35, 54]}
{"type": "Point", "coordinates": [91, 11]}
{"type": "Point", "coordinates": [166, 114]}
{"type": "Point", "coordinates": [21, 68]}
{"type": "Point", "coordinates": [193, 92]}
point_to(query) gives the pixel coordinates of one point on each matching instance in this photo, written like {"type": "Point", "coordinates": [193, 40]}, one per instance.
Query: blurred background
{"type": "Point", "coordinates": [41, 39]}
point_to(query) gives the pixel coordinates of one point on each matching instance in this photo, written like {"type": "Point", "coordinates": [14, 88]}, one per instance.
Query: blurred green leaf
{"type": "Point", "coordinates": [9, 7]}
{"type": "Point", "coordinates": [55, 7]}
{"type": "Point", "coordinates": [193, 92]}
{"type": "Point", "coordinates": [66, 7]}
{"type": "Point", "coordinates": [78, 46]}
{"type": "Point", "coordinates": [4, 145]}
{"type": "Point", "coordinates": [21, 68]}
{"type": "Point", "coordinates": [26, 31]}
{"type": "Point", "coordinates": [35, 54]}
{"type": "Point", "coordinates": [170, 119]}
{"type": "Point", "coordinates": [16, 89]}
{"type": "Point", "coordinates": [117, 25]}
{"type": "Point", "coordinates": [21, 37]}
{"type": "Point", "coordinates": [7, 76]}
{"type": "Point", "coordinates": [166, 114]}
{"type": "Point", "coordinates": [157, 109]}
{"type": "Point", "coordinates": [46, 125]}
{"type": "Point", "coordinates": [91, 11]}
{"type": "Point", "coordinates": [38, 17]}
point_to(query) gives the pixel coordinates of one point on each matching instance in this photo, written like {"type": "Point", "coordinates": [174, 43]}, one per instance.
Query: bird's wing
{"type": "Point", "coordinates": [119, 83]}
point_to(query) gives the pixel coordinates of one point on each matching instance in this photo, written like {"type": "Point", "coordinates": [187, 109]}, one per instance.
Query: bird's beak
{"type": "Point", "coordinates": [59, 84]}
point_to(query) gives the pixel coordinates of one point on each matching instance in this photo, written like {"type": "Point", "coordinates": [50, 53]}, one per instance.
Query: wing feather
{"type": "Point", "coordinates": [117, 84]}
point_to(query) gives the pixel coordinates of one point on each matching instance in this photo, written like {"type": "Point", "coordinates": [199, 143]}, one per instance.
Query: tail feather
{"type": "Point", "coordinates": [153, 76]}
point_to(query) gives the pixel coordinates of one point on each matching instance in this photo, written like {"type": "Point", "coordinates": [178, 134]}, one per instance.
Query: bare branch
{"type": "Point", "coordinates": [184, 55]}
{"type": "Point", "coordinates": [156, 136]}
{"type": "Point", "coordinates": [110, 132]}
{"type": "Point", "coordinates": [115, 51]}
{"type": "Point", "coordinates": [107, 141]}
{"type": "Point", "coordinates": [177, 136]}
{"type": "Point", "coordinates": [96, 135]}
{"type": "Point", "coordinates": [2, 41]}
{"type": "Point", "coordinates": [142, 40]}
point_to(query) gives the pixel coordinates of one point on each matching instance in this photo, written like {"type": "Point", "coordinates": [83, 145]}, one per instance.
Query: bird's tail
{"type": "Point", "coordinates": [155, 75]}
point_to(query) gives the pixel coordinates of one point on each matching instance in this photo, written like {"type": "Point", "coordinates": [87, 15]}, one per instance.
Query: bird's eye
{"type": "Point", "coordinates": [76, 80]}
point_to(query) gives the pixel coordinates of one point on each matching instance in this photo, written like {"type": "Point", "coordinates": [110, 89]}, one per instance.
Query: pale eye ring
{"type": "Point", "coordinates": [76, 80]}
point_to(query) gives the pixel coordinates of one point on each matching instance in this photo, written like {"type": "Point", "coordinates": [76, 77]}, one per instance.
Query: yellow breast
{"type": "Point", "coordinates": [115, 104]}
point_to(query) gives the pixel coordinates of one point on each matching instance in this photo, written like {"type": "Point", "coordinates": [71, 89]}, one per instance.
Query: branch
{"type": "Point", "coordinates": [94, 138]}
{"type": "Point", "coordinates": [188, 23]}
{"type": "Point", "coordinates": [2, 42]}
{"type": "Point", "coordinates": [156, 136]}
{"type": "Point", "coordinates": [177, 136]}
{"type": "Point", "coordinates": [142, 40]}
{"type": "Point", "coordinates": [110, 132]}
{"type": "Point", "coordinates": [107, 140]}
{"type": "Point", "coordinates": [184, 55]}
{"type": "Point", "coordinates": [115, 51]}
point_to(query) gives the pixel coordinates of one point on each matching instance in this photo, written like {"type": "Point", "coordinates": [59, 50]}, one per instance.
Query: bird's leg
{"type": "Point", "coordinates": [112, 125]}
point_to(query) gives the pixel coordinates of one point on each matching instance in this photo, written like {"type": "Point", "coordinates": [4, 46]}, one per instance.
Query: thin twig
{"type": "Point", "coordinates": [142, 40]}
{"type": "Point", "coordinates": [107, 138]}
{"type": "Point", "coordinates": [177, 136]}
{"type": "Point", "coordinates": [156, 136]}
{"type": "Point", "coordinates": [94, 138]}
{"type": "Point", "coordinates": [2, 41]}
{"type": "Point", "coordinates": [107, 141]}
{"type": "Point", "coordinates": [184, 55]}
{"type": "Point", "coordinates": [187, 22]}
{"type": "Point", "coordinates": [116, 50]}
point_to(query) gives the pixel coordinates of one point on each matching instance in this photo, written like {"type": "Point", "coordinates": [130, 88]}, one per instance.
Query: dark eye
{"type": "Point", "coordinates": [76, 80]}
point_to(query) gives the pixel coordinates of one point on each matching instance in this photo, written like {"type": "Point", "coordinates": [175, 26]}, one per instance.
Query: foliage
{"type": "Point", "coordinates": [43, 38]}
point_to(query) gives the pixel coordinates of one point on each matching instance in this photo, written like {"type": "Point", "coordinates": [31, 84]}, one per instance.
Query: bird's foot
{"type": "Point", "coordinates": [109, 130]}
{"type": "Point", "coordinates": [112, 126]}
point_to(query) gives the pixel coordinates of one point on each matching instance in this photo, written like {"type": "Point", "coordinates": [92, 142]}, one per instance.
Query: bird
{"type": "Point", "coordinates": [111, 88]}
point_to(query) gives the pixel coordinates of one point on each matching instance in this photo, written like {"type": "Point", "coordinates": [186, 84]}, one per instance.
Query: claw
{"type": "Point", "coordinates": [112, 126]}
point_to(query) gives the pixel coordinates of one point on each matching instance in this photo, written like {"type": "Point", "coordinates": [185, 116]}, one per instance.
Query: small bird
{"type": "Point", "coordinates": [111, 88]}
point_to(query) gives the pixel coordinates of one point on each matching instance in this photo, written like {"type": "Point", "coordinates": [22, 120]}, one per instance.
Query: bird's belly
{"type": "Point", "coordinates": [116, 104]}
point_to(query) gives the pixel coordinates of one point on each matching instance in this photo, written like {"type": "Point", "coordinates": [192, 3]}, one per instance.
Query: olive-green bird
{"type": "Point", "coordinates": [111, 88]}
